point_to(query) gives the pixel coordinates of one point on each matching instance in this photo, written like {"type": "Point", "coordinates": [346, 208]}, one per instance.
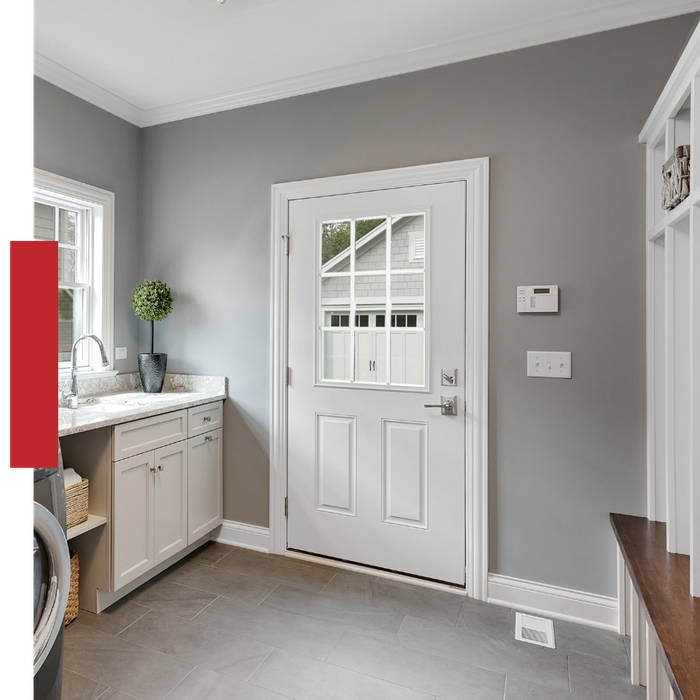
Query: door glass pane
{"type": "Point", "coordinates": [408, 242]}
{"type": "Point", "coordinates": [335, 245]}
{"type": "Point", "coordinates": [335, 315]}
{"type": "Point", "coordinates": [370, 344]}
{"type": "Point", "coordinates": [407, 322]}
{"type": "Point", "coordinates": [336, 354]}
{"type": "Point", "coordinates": [370, 246]}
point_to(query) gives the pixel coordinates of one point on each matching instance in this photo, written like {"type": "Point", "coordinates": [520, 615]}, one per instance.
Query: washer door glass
{"type": "Point", "coordinates": [42, 579]}
{"type": "Point", "coordinates": [51, 582]}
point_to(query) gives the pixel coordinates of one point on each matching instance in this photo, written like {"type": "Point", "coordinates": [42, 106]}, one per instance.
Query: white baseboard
{"type": "Point", "coordinates": [243, 535]}
{"type": "Point", "coordinates": [550, 601]}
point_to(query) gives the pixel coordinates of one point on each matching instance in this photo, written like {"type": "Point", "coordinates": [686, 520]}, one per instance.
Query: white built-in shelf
{"type": "Point", "coordinates": [673, 318]}
{"type": "Point", "coordinates": [91, 523]}
{"type": "Point", "coordinates": [673, 217]}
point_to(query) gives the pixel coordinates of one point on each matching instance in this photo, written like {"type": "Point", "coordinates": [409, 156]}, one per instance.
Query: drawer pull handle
{"type": "Point", "coordinates": [207, 419]}
{"type": "Point", "coordinates": [208, 438]}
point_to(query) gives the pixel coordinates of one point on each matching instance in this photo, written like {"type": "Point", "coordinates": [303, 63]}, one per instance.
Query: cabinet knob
{"type": "Point", "coordinates": [153, 469]}
{"type": "Point", "coordinates": [208, 438]}
{"type": "Point", "coordinates": [207, 419]}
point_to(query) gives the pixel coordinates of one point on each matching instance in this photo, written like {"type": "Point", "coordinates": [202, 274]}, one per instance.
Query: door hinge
{"type": "Point", "coordinates": [288, 376]}
{"type": "Point", "coordinates": [286, 507]}
{"type": "Point", "coordinates": [286, 243]}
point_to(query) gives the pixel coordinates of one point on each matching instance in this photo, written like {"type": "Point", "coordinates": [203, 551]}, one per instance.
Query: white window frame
{"type": "Point", "coordinates": [98, 205]}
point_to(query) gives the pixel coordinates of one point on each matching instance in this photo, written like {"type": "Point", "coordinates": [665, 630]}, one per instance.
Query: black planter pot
{"type": "Point", "coordinates": [152, 370]}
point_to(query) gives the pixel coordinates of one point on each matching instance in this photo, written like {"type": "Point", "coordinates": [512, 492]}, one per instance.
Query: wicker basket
{"type": "Point", "coordinates": [73, 598]}
{"type": "Point", "coordinates": [77, 503]}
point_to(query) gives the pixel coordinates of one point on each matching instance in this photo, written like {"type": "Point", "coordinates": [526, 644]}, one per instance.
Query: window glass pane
{"type": "Point", "coordinates": [67, 225]}
{"type": "Point", "coordinates": [370, 251]}
{"type": "Point", "coordinates": [408, 242]}
{"type": "Point", "coordinates": [70, 322]}
{"type": "Point", "coordinates": [67, 258]}
{"type": "Point", "coordinates": [44, 222]}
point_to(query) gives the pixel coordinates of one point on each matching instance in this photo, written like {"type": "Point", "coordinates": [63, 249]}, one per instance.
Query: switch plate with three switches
{"type": "Point", "coordinates": [556, 365]}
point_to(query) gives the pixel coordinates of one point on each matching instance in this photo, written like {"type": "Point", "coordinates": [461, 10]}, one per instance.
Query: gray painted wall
{"type": "Point", "coordinates": [560, 124]}
{"type": "Point", "coordinates": [80, 141]}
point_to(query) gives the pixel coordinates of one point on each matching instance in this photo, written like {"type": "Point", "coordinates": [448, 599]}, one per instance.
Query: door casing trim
{"type": "Point", "coordinates": [475, 173]}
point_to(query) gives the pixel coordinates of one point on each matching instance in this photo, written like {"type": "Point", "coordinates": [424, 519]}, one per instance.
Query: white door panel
{"type": "Point", "coordinates": [374, 477]}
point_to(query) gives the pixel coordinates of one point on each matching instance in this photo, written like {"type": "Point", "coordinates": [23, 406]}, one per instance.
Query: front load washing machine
{"type": "Point", "coordinates": [51, 580]}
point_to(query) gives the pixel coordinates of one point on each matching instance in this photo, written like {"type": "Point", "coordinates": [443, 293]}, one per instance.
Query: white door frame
{"type": "Point", "coordinates": [475, 172]}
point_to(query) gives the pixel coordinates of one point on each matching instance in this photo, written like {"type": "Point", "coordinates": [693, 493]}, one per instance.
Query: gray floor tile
{"type": "Point", "coordinates": [117, 663]}
{"type": "Point", "coordinates": [223, 652]}
{"type": "Point", "coordinates": [477, 648]}
{"type": "Point", "coordinates": [596, 644]}
{"type": "Point", "coordinates": [597, 681]}
{"type": "Point", "coordinates": [303, 678]}
{"type": "Point", "coordinates": [203, 684]}
{"type": "Point", "coordinates": [222, 582]}
{"type": "Point", "coordinates": [486, 618]}
{"type": "Point", "coordinates": [296, 629]}
{"type": "Point", "coordinates": [113, 620]}
{"type": "Point", "coordinates": [77, 687]}
{"type": "Point", "coordinates": [277, 568]}
{"type": "Point", "coordinates": [352, 616]}
{"type": "Point", "coordinates": [395, 596]}
{"type": "Point", "coordinates": [172, 598]}
{"type": "Point", "coordinates": [418, 670]}
{"type": "Point", "coordinates": [209, 553]}
{"type": "Point", "coordinates": [281, 629]}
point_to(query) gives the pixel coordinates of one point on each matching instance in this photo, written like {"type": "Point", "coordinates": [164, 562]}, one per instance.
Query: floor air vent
{"type": "Point", "coordinates": [534, 630]}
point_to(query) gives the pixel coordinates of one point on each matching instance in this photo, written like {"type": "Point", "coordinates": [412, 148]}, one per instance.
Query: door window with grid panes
{"type": "Point", "coordinates": [367, 334]}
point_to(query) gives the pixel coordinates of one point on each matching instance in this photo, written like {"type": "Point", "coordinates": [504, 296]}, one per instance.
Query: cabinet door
{"type": "Point", "coordinates": [170, 501]}
{"type": "Point", "coordinates": [132, 509]}
{"type": "Point", "coordinates": [204, 484]}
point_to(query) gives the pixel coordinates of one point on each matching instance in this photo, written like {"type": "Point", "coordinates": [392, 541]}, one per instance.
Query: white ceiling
{"type": "Point", "coordinates": [153, 61]}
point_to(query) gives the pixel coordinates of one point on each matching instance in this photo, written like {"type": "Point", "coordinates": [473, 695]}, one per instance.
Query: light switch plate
{"type": "Point", "coordinates": [555, 365]}
{"type": "Point", "coordinates": [120, 353]}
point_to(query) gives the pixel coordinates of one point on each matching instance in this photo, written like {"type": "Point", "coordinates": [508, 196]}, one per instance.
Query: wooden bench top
{"type": "Point", "coordinates": [662, 582]}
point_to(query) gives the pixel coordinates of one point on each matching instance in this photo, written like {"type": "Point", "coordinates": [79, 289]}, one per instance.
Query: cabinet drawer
{"type": "Point", "coordinates": [202, 419]}
{"type": "Point", "coordinates": [148, 434]}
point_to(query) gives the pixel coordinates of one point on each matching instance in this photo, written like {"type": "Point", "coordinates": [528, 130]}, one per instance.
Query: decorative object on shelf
{"type": "Point", "coordinates": [675, 174]}
{"type": "Point", "coordinates": [73, 593]}
{"type": "Point", "coordinates": [77, 497]}
{"type": "Point", "coordinates": [152, 301]}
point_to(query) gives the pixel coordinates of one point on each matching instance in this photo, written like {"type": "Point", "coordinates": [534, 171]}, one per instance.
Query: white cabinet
{"type": "Point", "coordinates": [167, 496]}
{"type": "Point", "coordinates": [204, 484]}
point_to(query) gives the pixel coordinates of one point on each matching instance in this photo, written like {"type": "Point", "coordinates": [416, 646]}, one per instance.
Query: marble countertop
{"type": "Point", "coordinates": [107, 409]}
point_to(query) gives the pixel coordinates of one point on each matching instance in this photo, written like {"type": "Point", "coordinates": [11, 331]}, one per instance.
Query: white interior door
{"type": "Point", "coordinates": [376, 317]}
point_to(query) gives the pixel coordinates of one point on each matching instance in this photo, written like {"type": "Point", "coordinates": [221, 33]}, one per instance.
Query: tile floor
{"type": "Point", "coordinates": [232, 624]}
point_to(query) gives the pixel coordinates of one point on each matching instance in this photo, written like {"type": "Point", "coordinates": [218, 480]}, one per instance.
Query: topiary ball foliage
{"type": "Point", "coordinates": [152, 300]}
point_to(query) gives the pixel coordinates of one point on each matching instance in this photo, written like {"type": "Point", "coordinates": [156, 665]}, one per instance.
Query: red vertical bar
{"type": "Point", "coordinates": [33, 354]}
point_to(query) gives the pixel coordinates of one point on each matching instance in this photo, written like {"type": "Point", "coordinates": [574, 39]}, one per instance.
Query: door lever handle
{"type": "Point", "coordinates": [448, 405]}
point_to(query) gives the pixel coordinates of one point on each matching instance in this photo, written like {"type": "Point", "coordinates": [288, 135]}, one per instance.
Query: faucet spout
{"type": "Point", "coordinates": [72, 395]}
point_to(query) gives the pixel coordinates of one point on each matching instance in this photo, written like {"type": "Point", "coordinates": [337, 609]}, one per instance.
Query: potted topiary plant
{"type": "Point", "coordinates": [152, 301]}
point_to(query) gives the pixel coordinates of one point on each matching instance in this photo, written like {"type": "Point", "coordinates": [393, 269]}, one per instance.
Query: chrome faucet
{"type": "Point", "coordinates": [72, 394]}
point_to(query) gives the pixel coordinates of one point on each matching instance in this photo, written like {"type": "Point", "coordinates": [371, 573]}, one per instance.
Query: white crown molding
{"type": "Point", "coordinates": [551, 601]}
{"type": "Point", "coordinates": [567, 26]}
{"type": "Point", "coordinates": [53, 73]}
